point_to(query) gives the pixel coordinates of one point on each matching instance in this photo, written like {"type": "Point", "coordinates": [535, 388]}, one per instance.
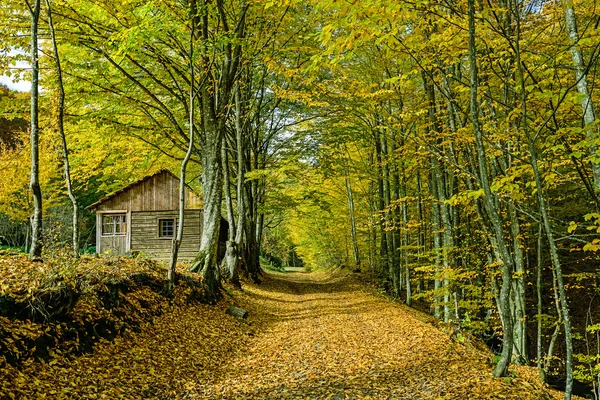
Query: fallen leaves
{"type": "Point", "coordinates": [310, 336]}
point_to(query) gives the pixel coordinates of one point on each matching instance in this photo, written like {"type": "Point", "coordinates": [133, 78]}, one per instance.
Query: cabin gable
{"type": "Point", "coordinates": [152, 193]}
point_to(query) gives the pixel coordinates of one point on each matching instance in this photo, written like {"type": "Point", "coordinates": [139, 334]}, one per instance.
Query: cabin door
{"type": "Point", "coordinates": [114, 234]}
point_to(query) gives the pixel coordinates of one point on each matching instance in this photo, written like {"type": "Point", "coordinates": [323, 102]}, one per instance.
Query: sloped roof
{"type": "Point", "coordinates": [95, 205]}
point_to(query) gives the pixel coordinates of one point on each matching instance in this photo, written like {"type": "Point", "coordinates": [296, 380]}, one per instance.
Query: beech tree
{"type": "Point", "coordinates": [35, 252]}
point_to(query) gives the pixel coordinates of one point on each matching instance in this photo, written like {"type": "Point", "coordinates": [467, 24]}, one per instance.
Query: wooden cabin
{"type": "Point", "coordinates": [142, 217]}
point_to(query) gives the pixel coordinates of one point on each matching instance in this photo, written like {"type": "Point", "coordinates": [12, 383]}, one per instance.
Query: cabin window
{"type": "Point", "coordinates": [166, 228]}
{"type": "Point", "coordinates": [114, 225]}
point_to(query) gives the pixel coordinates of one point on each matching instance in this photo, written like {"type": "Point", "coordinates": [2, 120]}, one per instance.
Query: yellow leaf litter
{"type": "Point", "coordinates": [310, 336]}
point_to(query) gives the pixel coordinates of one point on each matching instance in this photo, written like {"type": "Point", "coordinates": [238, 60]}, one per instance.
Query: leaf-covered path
{"type": "Point", "coordinates": [310, 336]}
{"type": "Point", "coordinates": [326, 337]}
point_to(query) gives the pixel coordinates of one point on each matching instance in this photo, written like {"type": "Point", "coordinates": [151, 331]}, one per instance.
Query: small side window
{"type": "Point", "coordinates": [166, 228]}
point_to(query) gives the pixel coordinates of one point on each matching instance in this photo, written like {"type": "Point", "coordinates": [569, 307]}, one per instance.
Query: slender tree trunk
{"type": "Point", "coordinates": [546, 221]}
{"type": "Point", "coordinates": [35, 252]}
{"type": "Point", "coordinates": [383, 250]}
{"type": "Point", "coordinates": [391, 250]}
{"type": "Point", "coordinates": [231, 251]}
{"type": "Point", "coordinates": [406, 243]}
{"type": "Point", "coordinates": [61, 130]}
{"type": "Point", "coordinates": [490, 207]}
{"type": "Point", "coordinates": [180, 223]}
{"type": "Point", "coordinates": [518, 290]}
{"type": "Point", "coordinates": [350, 196]}
{"type": "Point", "coordinates": [448, 242]}
{"type": "Point", "coordinates": [559, 321]}
{"type": "Point", "coordinates": [539, 297]}
{"type": "Point", "coordinates": [421, 233]}
{"type": "Point", "coordinates": [437, 247]}
{"type": "Point", "coordinates": [587, 104]}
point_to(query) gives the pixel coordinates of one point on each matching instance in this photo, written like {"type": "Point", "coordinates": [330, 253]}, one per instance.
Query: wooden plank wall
{"type": "Point", "coordinates": [144, 234]}
{"type": "Point", "coordinates": [159, 192]}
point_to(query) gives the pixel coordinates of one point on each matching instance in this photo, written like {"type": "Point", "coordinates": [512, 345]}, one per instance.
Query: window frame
{"type": "Point", "coordinates": [160, 227]}
{"type": "Point", "coordinates": [116, 219]}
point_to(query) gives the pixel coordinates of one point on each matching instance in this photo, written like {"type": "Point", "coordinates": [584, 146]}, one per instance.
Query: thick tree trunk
{"type": "Point", "coordinates": [35, 252]}
{"type": "Point", "coordinates": [212, 188]}
{"type": "Point", "coordinates": [234, 244]}
{"type": "Point", "coordinates": [61, 130]}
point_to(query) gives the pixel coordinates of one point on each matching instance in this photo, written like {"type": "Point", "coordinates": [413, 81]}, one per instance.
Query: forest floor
{"type": "Point", "coordinates": [308, 336]}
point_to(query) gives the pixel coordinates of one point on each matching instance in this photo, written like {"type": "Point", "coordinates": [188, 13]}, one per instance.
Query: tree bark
{"type": "Point", "coordinates": [61, 130]}
{"type": "Point", "coordinates": [237, 312]}
{"type": "Point", "coordinates": [350, 198]}
{"type": "Point", "coordinates": [538, 285]}
{"type": "Point", "coordinates": [546, 222]}
{"type": "Point", "coordinates": [587, 104]}
{"type": "Point", "coordinates": [35, 252]}
{"type": "Point", "coordinates": [234, 244]}
{"type": "Point", "coordinates": [489, 205]}
{"type": "Point", "coordinates": [171, 273]}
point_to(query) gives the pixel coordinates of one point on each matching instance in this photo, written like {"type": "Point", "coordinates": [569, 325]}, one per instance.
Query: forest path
{"type": "Point", "coordinates": [327, 336]}
{"type": "Point", "coordinates": [310, 336]}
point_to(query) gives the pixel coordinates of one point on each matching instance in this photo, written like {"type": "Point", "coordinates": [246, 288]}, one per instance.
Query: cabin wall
{"type": "Point", "coordinates": [145, 234]}
{"type": "Point", "coordinates": [158, 192]}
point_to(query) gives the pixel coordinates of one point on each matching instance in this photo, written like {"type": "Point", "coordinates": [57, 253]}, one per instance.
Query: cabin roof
{"type": "Point", "coordinates": [106, 198]}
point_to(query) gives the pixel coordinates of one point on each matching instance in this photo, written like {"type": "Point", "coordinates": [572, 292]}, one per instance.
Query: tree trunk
{"type": "Point", "coordinates": [61, 130]}
{"type": "Point", "coordinates": [546, 222]}
{"type": "Point", "coordinates": [387, 214]}
{"type": "Point", "coordinates": [180, 223]}
{"type": "Point", "coordinates": [406, 242]}
{"type": "Point", "coordinates": [212, 188]}
{"type": "Point", "coordinates": [538, 284]}
{"type": "Point", "coordinates": [350, 197]}
{"type": "Point", "coordinates": [448, 243]}
{"type": "Point", "coordinates": [587, 104]}
{"type": "Point", "coordinates": [437, 247]}
{"type": "Point", "coordinates": [35, 252]}
{"type": "Point", "coordinates": [518, 290]}
{"type": "Point", "coordinates": [490, 207]}
{"type": "Point", "coordinates": [232, 256]}
{"type": "Point", "coordinates": [383, 250]}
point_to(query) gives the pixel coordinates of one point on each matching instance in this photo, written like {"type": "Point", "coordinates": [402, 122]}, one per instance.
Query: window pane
{"type": "Point", "coordinates": [167, 228]}
{"type": "Point", "coordinates": [107, 225]}
{"type": "Point", "coordinates": [114, 225]}
{"type": "Point", "coordinates": [122, 224]}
